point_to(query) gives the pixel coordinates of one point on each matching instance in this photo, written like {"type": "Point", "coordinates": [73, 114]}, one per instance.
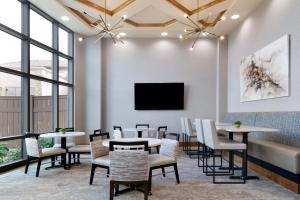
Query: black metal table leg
{"type": "Point", "coordinates": [231, 156]}
{"type": "Point", "coordinates": [246, 177]}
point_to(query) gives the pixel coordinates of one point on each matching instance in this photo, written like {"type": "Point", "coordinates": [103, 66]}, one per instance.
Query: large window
{"type": "Point", "coordinates": [36, 88]}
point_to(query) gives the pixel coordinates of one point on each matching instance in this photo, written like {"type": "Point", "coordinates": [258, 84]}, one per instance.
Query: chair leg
{"type": "Point", "coordinates": [214, 175]}
{"type": "Point", "coordinates": [163, 171]}
{"type": "Point", "coordinates": [38, 167]}
{"type": "Point", "coordinates": [111, 190]}
{"type": "Point", "coordinates": [157, 149]}
{"type": "Point", "coordinates": [78, 158]}
{"type": "Point", "coordinates": [107, 175]}
{"type": "Point", "coordinates": [199, 154]}
{"type": "Point", "coordinates": [70, 159]}
{"type": "Point", "coordinates": [176, 173]}
{"type": "Point", "coordinates": [244, 165]}
{"type": "Point", "coordinates": [52, 161]}
{"type": "Point", "coordinates": [146, 191]}
{"type": "Point", "coordinates": [92, 173]}
{"type": "Point", "coordinates": [27, 164]}
{"type": "Point", "coordinates": [150, 181]}
{"type": "Point", "coordinates": [74, 157]}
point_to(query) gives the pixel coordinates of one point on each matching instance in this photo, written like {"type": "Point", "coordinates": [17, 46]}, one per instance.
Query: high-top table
{"type": "Point", "coordinates": [138, 130]}
{"type": "Point", "coordinates": [244, 130]}
{"type": "Point", "coordinates": [63, 142]}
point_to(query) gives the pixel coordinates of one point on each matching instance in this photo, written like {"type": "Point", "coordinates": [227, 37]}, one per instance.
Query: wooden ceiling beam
{"type": "Point", "coordinates": [153, 25]}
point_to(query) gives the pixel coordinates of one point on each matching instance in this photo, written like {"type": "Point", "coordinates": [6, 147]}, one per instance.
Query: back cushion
{"type": "Point", "coordinates": [245, 118]}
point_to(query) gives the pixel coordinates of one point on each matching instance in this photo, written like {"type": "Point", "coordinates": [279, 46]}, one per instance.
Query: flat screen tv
{"type": "Point", "coordinates": [159, 96]}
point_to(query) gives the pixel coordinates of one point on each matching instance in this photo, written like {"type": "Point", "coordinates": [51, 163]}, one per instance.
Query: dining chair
{"type": "Point", "coordinates": [201, 141]}
{"type": "Point", "coordinates": [167, 157]}
{"type": "Point", "coordinates": [36, 153]}
{"type": "Point", "coordinates": [161, 132]}
{"type": "Point", "coordinates": [142, 126]}
{"type": "Point", "coordinates": [84, 148]}
{"type": "Point", "coordinates": [183, 131]}
{"type": "Point", "coordinates": [117, 127]}
{"type": "Point", "coordinates": [99, 154]}
{"type": "Point", "coordinates": [128, 166]}
{"type": "Point", "coordinates": [117, 134]}
{"type": "Point", "coordinates": [190, 133]}
{"type": "Point", "coordinates": [216, 144]}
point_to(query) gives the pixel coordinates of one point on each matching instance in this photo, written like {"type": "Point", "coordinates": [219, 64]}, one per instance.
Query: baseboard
{"type": "Point", "coordinates": [277, 178]}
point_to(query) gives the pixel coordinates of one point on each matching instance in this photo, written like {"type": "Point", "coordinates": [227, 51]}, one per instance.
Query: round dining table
{"type": "Point", "coordinates": [63, 141]}
{"type": "Point", "coordinates": [152, 142]}
{"type": "Point", "coordinates": [139, 130]}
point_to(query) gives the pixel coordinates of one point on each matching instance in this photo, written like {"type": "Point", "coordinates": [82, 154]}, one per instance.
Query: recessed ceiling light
{"type": "Point", "coordinates": [223, 18]}
{"type": "Point", "coordinates": [80, 39]}
{"type": "Point", "coordinates": [65, 18]}
{"type": "Point", "coordinates": [122, 34]}
{"type": "Point", "coordinates": [222, 37]}
{"type": "Point", "coordinates": [234, 17]}
{"type": "Point", "coordinates": [164, 34]}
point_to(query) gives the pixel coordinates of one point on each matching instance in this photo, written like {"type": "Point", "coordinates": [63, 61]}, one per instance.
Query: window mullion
{"type": "Point", "coordinates": [55, 88]}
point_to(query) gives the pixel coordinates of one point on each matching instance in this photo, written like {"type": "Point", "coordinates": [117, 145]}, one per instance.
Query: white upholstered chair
{"type": "Point", "coordinates": [100, 157]}
{"type": "Point", "coordinates": [167, 157]}
{"type": "Point", "coordinates": [216, 144]}
{"type": "Point", "coordinates": [190, 133]}
{"type": "Point", "coordinates": [35, 152]}
{"type": "Point", "coordinates": [129, 165]}
{"type": "Point", "coordinates": [117, 134]}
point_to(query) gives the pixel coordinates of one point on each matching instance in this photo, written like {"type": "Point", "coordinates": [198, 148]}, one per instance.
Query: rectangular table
{"type": "Point", "coordinates": [244, 130]}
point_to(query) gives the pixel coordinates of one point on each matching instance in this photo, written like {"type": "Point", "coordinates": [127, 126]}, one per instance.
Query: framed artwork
{"type": "Point", "coordinates": [265, 73]}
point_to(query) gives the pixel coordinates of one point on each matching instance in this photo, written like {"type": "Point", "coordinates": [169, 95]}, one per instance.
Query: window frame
{"type": "Point", "coordinates": [25, 75]}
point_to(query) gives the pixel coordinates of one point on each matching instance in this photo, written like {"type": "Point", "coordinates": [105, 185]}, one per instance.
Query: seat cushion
{"type": "Point", "coordinates": [52, 151]}
{"type": "Point", "coordinates": [160, 160]}
{"type": "Point", "coordinates": [103, 160]}
{"type": "Point", "coordinates": [68, 145]}
{"type": "Point", "coordinates": [80, 149]}
{"type": "Point", "coordinates": [280, 155]}
{"type": "Point", "coordinates": [226, 144]}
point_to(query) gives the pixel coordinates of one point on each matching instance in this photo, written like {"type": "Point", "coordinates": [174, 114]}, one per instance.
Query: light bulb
{"type": "Point", "coordinates": [180, 36]}
{"type": "Point", "coordinates": [80, 39]}
{"type": "Point", "coordinates": [124, 16]}
{"type": "Point", "coordinates": [222, 37]}
{"type": "Point", "coordinates": [185, 30]}
{"type": "Point", "coordinates": [191, 49]}
{"type": "Point", "coordinates": [185, 15]}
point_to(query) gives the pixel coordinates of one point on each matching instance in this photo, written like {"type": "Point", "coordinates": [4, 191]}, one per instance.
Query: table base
{"type": "Point", "coordinates": [247, 178]}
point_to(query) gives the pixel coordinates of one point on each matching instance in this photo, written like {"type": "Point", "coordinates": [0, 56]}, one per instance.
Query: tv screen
{"type": "Point", "coordinates": [159, 96]}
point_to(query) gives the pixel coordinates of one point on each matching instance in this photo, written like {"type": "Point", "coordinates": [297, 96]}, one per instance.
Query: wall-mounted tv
{"type": "Point", "coordinates": [159, 96]}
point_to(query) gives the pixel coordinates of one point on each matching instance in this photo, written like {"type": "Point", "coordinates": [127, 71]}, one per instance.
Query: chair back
{"type": "Point", "coordinates": [210, 136]}
{"type": "Point", "coordinates": [142, 126]}
{"type": "Point", "coordinates": [117, 127]}
{"type": "Point", "coordinates": [188, 126]}
{"type": "Point", "coordinates": [129, 164]}
{"type": "Point", "coordinates": [33, 148]}
{"type": "Point", "coordinates": [98, 136]}
{"type": "Point", "coordinates": [161, 132]}
{"type": "Point", "coordinates": [168, 148]}
{"type": "Point", "coordinates": [182, 125]}
{"type": "Point", "coordinates": [199, 131]}
{"type": "Point", "coordinates": [97, 149]}
{"type": "Point", "coordinates": [117, 134]}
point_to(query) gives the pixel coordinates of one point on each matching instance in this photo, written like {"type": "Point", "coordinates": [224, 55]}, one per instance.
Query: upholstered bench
{"type": "Point", "coordinates": [278, 152]}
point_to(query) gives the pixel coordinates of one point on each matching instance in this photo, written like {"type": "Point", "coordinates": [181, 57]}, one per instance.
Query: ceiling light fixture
{"type": "Point", "coordinates": [164, 34]}
{"type": "Point", "coordinates": [80, 39]}
{"type": "Point", "coordinates": [223, 18]}
{"type": "Point", "coordinates": [222, 37]}
{"type": "Point", "coordinates": [235, 16]}
{"type": "Point", "coordinates": [104, 28]}
{"type": "Point", "coordinates": [195, 30]}
{"type": "Point", "coordinates": [65, 18]}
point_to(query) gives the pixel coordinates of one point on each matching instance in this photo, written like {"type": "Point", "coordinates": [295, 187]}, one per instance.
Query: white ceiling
{"type": "Point", "coordinates": [148, 11]}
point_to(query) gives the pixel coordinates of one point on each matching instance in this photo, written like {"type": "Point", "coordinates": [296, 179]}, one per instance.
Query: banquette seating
{"type": "Point", "coordinates": [278, 152]}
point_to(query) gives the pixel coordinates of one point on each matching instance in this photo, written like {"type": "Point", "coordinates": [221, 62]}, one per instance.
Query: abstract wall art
{"type": "Point", "coordinates": [265, 73]}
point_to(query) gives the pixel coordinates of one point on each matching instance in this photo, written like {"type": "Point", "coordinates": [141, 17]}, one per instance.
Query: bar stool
{"type": "Point", "coordinates": [215, 144]}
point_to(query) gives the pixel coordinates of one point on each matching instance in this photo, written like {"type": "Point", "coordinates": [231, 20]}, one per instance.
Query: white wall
{"type": "Point", "coordinates": [157, 60]}
{"type": "Point", "coordinates": [270, 20]}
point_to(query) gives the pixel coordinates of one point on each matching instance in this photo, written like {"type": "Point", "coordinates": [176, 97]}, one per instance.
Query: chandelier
{"type": "Point", "coordinates": [195, 30]}
{"type": "Point", "coordinates": [106, 29]}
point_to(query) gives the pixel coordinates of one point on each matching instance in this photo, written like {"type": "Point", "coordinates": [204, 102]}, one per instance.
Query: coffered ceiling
{"type": "Point", "coordinates": [148, 18]}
